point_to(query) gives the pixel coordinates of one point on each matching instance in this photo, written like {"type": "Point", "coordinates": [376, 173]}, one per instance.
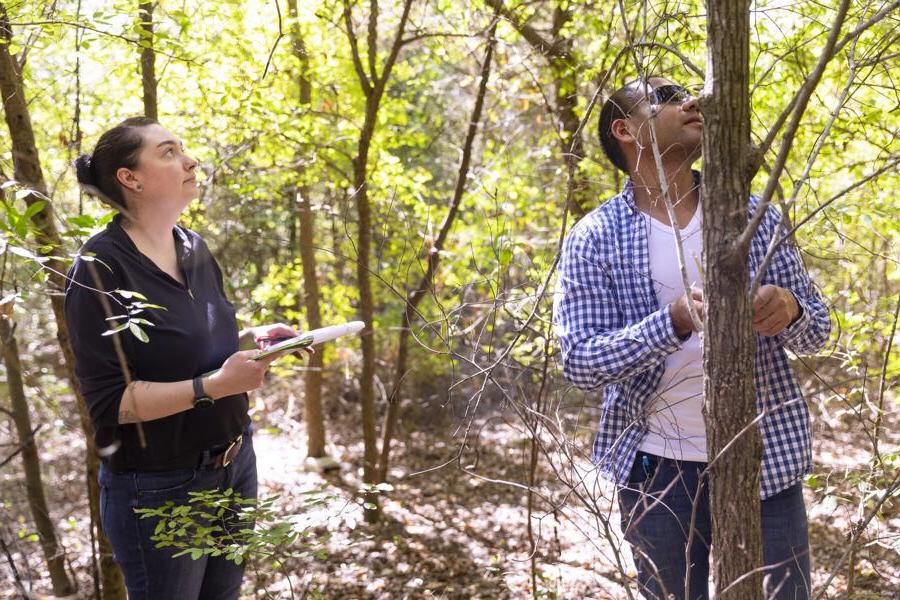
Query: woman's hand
{"type": "Point", "coordinates": [239, 374]}
{"type": "Point", "coordinates": [268, 335]}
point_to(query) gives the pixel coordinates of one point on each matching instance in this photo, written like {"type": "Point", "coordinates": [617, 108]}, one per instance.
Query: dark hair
{"type": "Point", "coordinates": [618, 106]}
{"type": "Point", "coordinates": [116, 149]}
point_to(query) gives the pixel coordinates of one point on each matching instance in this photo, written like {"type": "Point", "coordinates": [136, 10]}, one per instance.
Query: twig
{"type": "Point", "coordinates": [770, 251]}
{"type": "Point", "coordinates": [22, 445]}
{"type": "Point", "coordinates": [18, 579]}
{"type": "Point", "coordinates": [676, 229]}
{"type": "Point", "coordinates": [858, 529]}
{"type": "Point", "coordinates": [883, 379]}
{"type": "Point", "coordinates": [136, 42]}
{"type": "Point", "coordinates": [787, 142]}
{"type": "Point", "coordinates": [277, 39]}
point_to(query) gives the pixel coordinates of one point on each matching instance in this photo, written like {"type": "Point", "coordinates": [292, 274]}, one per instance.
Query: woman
{"type": "Point", "coordinates": [164, 428]}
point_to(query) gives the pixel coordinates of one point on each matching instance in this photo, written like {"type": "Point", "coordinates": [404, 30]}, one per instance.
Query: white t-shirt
{"type": "Point", "coordinates": [674, 414]}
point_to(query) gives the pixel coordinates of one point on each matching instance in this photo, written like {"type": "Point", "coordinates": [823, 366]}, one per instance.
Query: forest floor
{"type": "Point", "coordinates": [455, 524]}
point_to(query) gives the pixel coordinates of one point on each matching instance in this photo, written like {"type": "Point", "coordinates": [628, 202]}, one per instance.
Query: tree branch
{"type": "Point", "coordinates": [381, 81]}
{"type": "Point", "coordinates": [354, 50]}
{"type": "Point", "coordinates": [372, 37]}
{"type": "Point", "coordinates": [277, 39]}
{"type": "Point", "coordinates": [826, 57]}
{"type": "Point", "coordinates": [770, 251]}
{"type": "Point", "coordinates": [550, 49]}
{"type": "Point", "coordinates": [802, 99]}
{"type": "Point", "coordinates": [136, 42]}
{"type": "Point", "coordinates": [673, 50]}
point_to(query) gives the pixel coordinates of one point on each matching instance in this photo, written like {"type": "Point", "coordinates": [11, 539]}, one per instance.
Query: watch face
{"type": "Point", "coordinates": [203, 402]}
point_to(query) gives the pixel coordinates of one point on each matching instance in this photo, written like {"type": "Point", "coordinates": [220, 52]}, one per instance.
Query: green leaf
{"type": "Point", "coordinates": [130, 294]}
{"type": "Point", "coordinates": [139, 333]}
{"type": "Point", "coordinates": [116, 330]}
{"type": "Point", "coordinates": [34, 208]}
{"type": "Point", "coordinates": [143, 322]}
{"type": "Point", "coordinates": [24, 253]}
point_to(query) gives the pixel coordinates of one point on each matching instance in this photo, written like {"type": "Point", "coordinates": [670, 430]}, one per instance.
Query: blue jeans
{"type": "Point", "coordinates": [656, 508]}
{"type": "Point", "coordinates": [151, 573]}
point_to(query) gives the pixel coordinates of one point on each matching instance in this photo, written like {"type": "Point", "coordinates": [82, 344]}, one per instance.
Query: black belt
{"type": "Point", "coordinates": [221, 456]}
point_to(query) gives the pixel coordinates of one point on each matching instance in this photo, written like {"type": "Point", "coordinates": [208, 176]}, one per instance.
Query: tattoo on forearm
{"type": "Point", "coordinates": [128, 407]}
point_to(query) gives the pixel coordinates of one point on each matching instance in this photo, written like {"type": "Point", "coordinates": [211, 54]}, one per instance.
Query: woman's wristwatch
{"type": "Point", "coordinates": [201, 398]}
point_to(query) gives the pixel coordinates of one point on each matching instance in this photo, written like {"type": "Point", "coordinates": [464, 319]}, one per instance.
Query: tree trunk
{"type": "Point", "coordinates": [565, 86]}
{"type": "Point", "coordinates": [366, 304]}
{"type": "Point", "coordinates": [54, 554]}
{"type": "Point", "coordinates": [27, 171]}
{"type": "Point", "coordinates": [312, 389]}
{"type": "Point", "coordinates": [148, 60]}
{"type": "Point", "coordinates": [730, 343]}
{"type": "Point", "coordinates": [373, 86]}
{"type": "Point", "coordinates": [416, 296]}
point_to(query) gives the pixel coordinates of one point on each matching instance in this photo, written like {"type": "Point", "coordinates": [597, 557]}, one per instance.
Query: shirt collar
{"type": "Point", "coordinates": [627, 193]}
{"type": "Point", "coordinates": [183, 246]}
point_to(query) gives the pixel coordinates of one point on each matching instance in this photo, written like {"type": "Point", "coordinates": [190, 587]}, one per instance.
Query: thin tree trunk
{"type": "Point", "coordinates": [373, 86]}
{"type": "Point", "coordinates": [425, 285]}
{"type": "Point", "coordinates": [366, 304]}
{"type": "Point", "coordinates": [148, 60]}
{"type": "Point", "coordinates": [729, 344]}
{"type": "Point", "coordinates": [565, 85]}
{"type": "Point", "coordinates": [54, 554]}
{"type": "Point", "coordinates": [27, 170]}
{"type": "Point", "coordinates": [315, 422]}
{"type": "Point", "coordinates": [566, 72]}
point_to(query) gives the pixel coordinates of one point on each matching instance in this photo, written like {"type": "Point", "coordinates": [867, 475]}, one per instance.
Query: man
{"type": "Point", "coordinates": [624, 322]}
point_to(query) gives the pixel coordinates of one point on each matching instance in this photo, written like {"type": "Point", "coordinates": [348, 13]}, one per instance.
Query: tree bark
{"type": "Point", "coordinates": [27, 171]}
{"type": "Point", "coordinates": [728, 351]}
{"type": "Point", "coordinates": [312, 389]}
{"type": "Point", "coordinates": [54, 554]}
{"type": "Point", "coordinates": [148, 60]}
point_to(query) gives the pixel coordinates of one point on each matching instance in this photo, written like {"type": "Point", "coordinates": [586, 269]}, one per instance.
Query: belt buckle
{"type": "Point", "coordinates": [232, 451]}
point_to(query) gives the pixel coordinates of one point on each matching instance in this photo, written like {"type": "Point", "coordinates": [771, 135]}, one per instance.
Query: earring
{"type": "Point", "coordinates": [138, 188]}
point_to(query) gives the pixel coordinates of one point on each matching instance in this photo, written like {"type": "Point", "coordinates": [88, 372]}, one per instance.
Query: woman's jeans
{"type": "Point", "coordinates": [151, 573]}
{"type": "Point", "coordinates": [658, 531]}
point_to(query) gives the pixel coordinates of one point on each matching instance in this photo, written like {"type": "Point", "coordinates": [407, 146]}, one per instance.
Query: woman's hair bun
{"type": "Point", "coordinates": [83, 170]}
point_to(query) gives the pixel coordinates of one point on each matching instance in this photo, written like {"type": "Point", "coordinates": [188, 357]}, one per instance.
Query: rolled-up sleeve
{"type": "Point", "coordinates": [809, 332]}
{"type": "Point", "coordinates": [97, 364]}
{"type": "Point", "coordinates": [597, 347]}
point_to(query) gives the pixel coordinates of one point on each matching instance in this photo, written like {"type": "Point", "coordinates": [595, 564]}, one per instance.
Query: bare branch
{"type": "Point", "coordinates": [824, 57]}
{"type": "Point", "coordinates": [354, 50]}
{"type": "Point", "coordinates": [277, 39]}
{"type": "Point", "coordinates": [136, 42]}
{"type": "Point", "coordinates": [673, 50]}
{"type": "Point", "coordinates": [803, 96]}
{"type": "Point", "coordinates": [676, 230]}
{"type": "Point", "coordinates": [858, 528]}
{"type": "Point", "coordinates": [372, 37]}
{"type": "Point", "coordinates": [773, 245]}
{"type": "Point", "coordinates": [550, 49]}
{"type": "Point", "coordinates": [381, 81]}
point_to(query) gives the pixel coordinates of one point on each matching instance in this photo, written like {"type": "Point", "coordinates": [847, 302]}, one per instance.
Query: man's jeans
{"type": "Point", "coordinates": [658, 531]}
{"type": "Point", "coordinates": [151, 573]}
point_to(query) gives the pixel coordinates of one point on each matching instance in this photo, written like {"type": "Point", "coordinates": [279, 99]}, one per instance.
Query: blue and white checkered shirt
{"type": "Point", "coordinates": [614, 334]}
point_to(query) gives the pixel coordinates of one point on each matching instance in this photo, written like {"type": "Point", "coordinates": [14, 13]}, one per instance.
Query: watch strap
{"type": "Point", "coordinates": [201, 398]}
